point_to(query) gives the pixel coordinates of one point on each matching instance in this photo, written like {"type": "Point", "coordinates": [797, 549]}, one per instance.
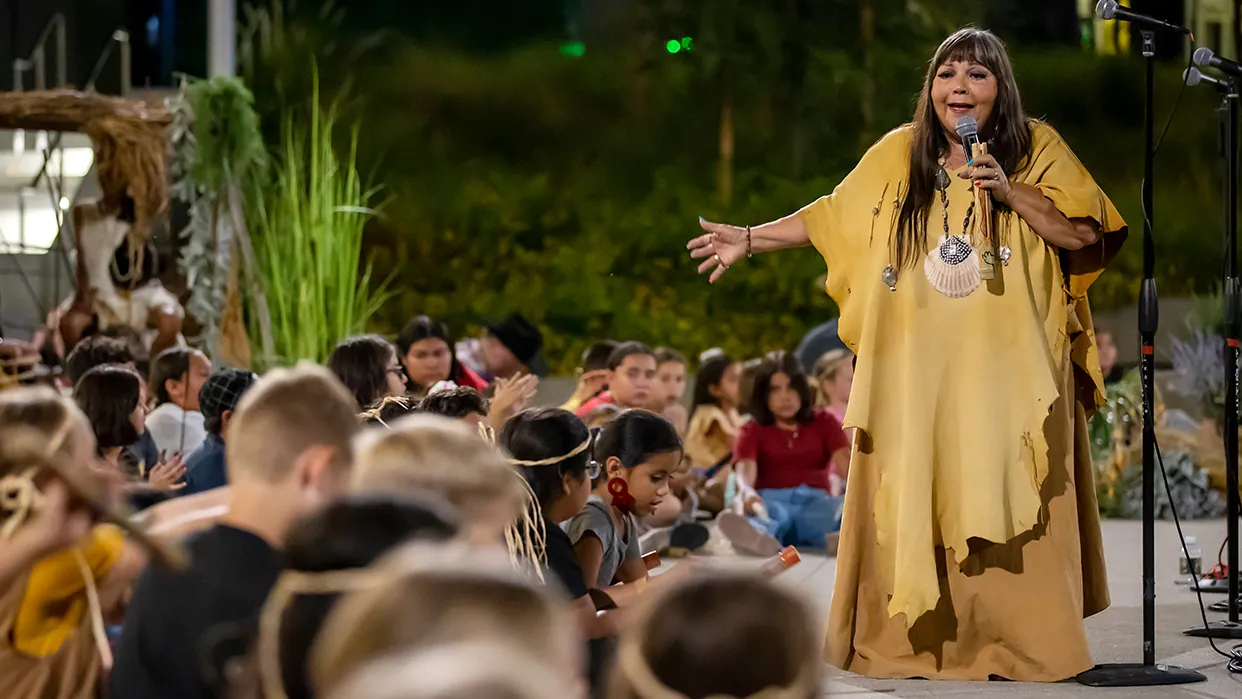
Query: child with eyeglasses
{"type": "Point", "coordinates": [551, 448]}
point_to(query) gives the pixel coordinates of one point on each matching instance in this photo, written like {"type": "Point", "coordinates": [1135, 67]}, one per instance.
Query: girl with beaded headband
{"type": "Point", "coordinates": [970, 393]}
{"type": "Point", "coordinates": [71, 573]}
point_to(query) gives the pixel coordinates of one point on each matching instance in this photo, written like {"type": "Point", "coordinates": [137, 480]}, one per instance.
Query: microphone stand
{"type": "Point", "coordinates": [1228, 113]}
{"type": "Point", "coordinates": [1147, 673]}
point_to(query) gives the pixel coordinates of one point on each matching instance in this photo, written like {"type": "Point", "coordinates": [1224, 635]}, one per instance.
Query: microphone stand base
{"type": "Point", "coordinates": [1138, 675]}
{"type": "Point", "coordinates": [1217, 629]}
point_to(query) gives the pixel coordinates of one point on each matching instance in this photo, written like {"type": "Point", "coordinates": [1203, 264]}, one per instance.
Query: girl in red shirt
{"type": "Point", "coordinates": [784, 456]}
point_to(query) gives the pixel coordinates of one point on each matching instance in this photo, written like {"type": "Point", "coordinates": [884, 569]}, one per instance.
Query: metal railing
{"type": "Point", "coordinates": [37, 62]}
{"type": "Point", "coordinates": [120, 38]}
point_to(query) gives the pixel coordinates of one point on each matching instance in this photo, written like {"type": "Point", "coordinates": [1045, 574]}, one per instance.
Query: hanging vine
{"type": "Point", "coordinates": [218, 159]}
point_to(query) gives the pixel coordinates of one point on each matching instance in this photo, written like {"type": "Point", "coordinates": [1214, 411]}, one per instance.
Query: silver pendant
{"type": "Point", "coordinates": [942, 180]}
{"type": "Point", "coordinates": [889, 277]}
{"type": "Point", "coordinates": [1004, 254]}
{"type": "Point", "coordinates": [954, 250]}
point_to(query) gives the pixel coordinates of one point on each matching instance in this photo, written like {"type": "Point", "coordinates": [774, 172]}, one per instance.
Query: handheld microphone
{"type": "Point", "coordinates": [1109, 9]}
{"type": "Point", "coordinates": [968, 133]}
{"type": "Point", "coordinates": [1193, 76]}
{"type": "Point", "coordinates": [1206, 58]}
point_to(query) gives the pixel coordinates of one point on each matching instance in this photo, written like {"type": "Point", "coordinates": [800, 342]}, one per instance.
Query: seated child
{"type": "Point", "coordinates": [723, 636]}
{"type": "Point", "coordinates": [423, 596]}
{"type": "Point", "coordinates": [638, 452]}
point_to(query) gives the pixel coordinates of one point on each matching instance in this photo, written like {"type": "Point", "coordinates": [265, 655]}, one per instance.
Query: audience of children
{"type": "Point", "coordinates": [784, 456]}
{"type": "Point", "coordinates": [303, 581]}
{"type": "Point", "coordinates": [175, 422]}
{"type": "Point", "coordinates": [289, 452]}
{"type": "Point", "coordinates": [426, 350]}
{"type": "Point", "coordinates": [219, 397]}
{"type": "Point", "coordinates": [369, 368]}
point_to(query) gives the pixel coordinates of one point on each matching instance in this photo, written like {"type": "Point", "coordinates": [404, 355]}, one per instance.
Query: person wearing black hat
{"type": "Point", "coordinates": [217, 400]}
{"type": "Point", "coordinates": [512, 347]}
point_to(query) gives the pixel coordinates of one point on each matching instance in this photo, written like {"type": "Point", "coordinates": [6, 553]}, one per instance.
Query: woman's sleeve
{"type": "Point", "coordinates": [1058, 174]}
{"type": "Point", "coordinates": [843, 225]}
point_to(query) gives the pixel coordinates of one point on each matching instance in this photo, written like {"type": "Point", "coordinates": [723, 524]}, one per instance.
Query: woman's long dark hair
{"type": "Point", "coordinates": [1007, 132]}
{"type": "Point", "coordinates": [422, 328]}
{"type": "Point", "coordinates": [787, 364]}
{"type": "Point", "coordinates": [108, 395]}
{"type": "Point", "coordinates": [361, 363]}
{"type": "Point", "coordinates": [634, 437]}
{"type": "Point", "coordinates": [173, 363]}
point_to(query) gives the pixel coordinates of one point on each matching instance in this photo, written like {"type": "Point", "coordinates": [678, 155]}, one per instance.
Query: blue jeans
{"type": "Point", "coordinates": [802, 516]}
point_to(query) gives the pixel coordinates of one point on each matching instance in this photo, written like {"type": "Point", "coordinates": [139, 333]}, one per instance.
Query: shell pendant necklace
{"type": "Point", "coordinates": [952, 267]}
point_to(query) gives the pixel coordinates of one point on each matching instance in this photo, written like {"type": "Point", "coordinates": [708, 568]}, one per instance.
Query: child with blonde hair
{"type": "Point", "coordinates": [432, 454]}
{"type": "Point", "coordinates": [728, 635]}
{"type": "Point", "coordinates": [423, 596]}
{"type": "Point", "coordinates": [832, 377]}
{"type": "Point", "coordinates": [474, 670]}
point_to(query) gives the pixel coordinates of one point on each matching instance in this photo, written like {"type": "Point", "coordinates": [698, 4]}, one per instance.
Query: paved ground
{"type": "Point", "coordinates": [1115, 635]}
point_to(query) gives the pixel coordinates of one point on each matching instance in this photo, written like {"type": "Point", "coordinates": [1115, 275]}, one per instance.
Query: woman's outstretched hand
{"type": "Point", "coordinates": [720, 248]}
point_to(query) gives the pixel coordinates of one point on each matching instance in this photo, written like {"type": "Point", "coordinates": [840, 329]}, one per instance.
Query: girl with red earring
{"type": "Point", "coordinates": [636, 453]}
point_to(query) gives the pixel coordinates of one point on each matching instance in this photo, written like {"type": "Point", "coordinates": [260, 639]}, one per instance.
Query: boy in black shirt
{"type": "Point", "coordinates": [288, 452]}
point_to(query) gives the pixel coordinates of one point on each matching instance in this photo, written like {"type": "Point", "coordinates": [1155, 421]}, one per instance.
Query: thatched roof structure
{"type": "Point", "coordinates": [130, 140]}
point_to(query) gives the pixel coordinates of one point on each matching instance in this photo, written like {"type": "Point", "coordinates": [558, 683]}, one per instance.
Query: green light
{"type": "Point", "coordinates": [576, 49]}
{"type": "Point", "coordinates": [673, 46]}
{"type": "Point", "coordinates": [687, 43]}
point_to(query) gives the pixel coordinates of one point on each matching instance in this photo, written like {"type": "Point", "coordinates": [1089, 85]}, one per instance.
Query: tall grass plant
{"type": "Point", "coordinates": [307, 225]}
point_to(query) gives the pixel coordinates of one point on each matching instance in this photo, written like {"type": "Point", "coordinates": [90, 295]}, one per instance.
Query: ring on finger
{"type": "Point", "coordinates": [720, 261]}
